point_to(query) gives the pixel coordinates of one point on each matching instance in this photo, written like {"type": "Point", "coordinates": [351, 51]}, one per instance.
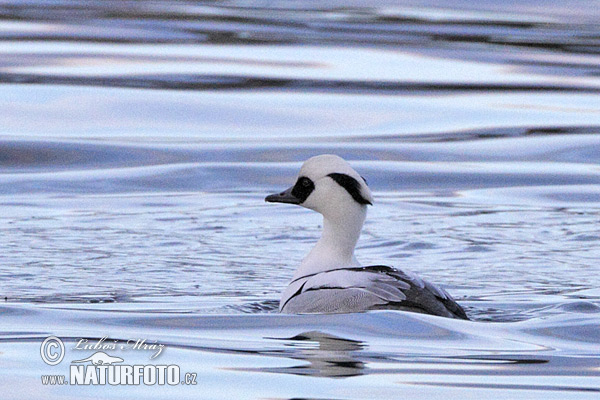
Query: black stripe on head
{"type": "Point", "coordinates": [351, 185]}
{"type": "Point", "coordinates": [303, 188]}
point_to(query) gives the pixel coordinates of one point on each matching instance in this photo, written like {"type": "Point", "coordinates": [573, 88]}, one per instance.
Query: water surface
{"type": "Point", "coordinates": [138, 140]}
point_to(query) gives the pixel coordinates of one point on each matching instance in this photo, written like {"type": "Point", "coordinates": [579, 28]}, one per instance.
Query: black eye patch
{"type": "Point", "coordinates": [303, 188]}
{"type": "Point", "coordinates": [351, 185]}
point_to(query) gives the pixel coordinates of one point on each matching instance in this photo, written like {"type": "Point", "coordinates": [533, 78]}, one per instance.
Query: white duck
{"type": "Point", "coordinates": [330, 279]}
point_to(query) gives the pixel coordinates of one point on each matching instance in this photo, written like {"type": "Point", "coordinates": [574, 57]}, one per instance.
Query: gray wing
{"type": "Point", "coordinates": [368, 288]}
{"type": "Point", "coordinates": [421, 296]}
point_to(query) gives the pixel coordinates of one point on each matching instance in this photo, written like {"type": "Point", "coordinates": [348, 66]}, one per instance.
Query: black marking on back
{"type": "Point", "coordinates": [303, 188]}
{"type": "Point", "coordinates": [351, 185]}
{"type": "Point", "coordinates": [295, 294]}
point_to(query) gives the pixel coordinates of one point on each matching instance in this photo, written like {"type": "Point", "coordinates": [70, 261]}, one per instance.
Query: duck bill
{"type": "Point", "coordinates": [283, 197]}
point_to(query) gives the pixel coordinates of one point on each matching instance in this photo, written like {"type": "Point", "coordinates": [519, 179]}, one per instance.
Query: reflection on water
{"type": "Point", "coordinates": [327, 356]}
{"type": "Point", "coordinates": [392, 353]}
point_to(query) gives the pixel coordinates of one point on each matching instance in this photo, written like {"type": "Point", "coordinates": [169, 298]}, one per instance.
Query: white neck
{"type": "Point", "coordinates": [335, 249]}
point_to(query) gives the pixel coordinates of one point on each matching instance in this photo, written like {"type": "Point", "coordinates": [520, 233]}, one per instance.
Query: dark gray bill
{"type": "Point", "coordinates": [283, 197]}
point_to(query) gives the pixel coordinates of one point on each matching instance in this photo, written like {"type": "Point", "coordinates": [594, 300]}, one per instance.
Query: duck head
{"type": "Point", "coordinates": [328, 185]}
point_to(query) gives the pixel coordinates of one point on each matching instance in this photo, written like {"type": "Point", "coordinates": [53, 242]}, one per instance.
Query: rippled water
{"type": "Point", "coordinates": [139, 138]}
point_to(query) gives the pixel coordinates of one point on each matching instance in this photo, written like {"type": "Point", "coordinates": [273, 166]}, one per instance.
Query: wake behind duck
{"type": "Point", "coordinates": [330, 279]}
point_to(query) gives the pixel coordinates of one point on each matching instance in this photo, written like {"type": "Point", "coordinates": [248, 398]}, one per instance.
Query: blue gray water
{"type": "Point", "coordinates": [139, 138]}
